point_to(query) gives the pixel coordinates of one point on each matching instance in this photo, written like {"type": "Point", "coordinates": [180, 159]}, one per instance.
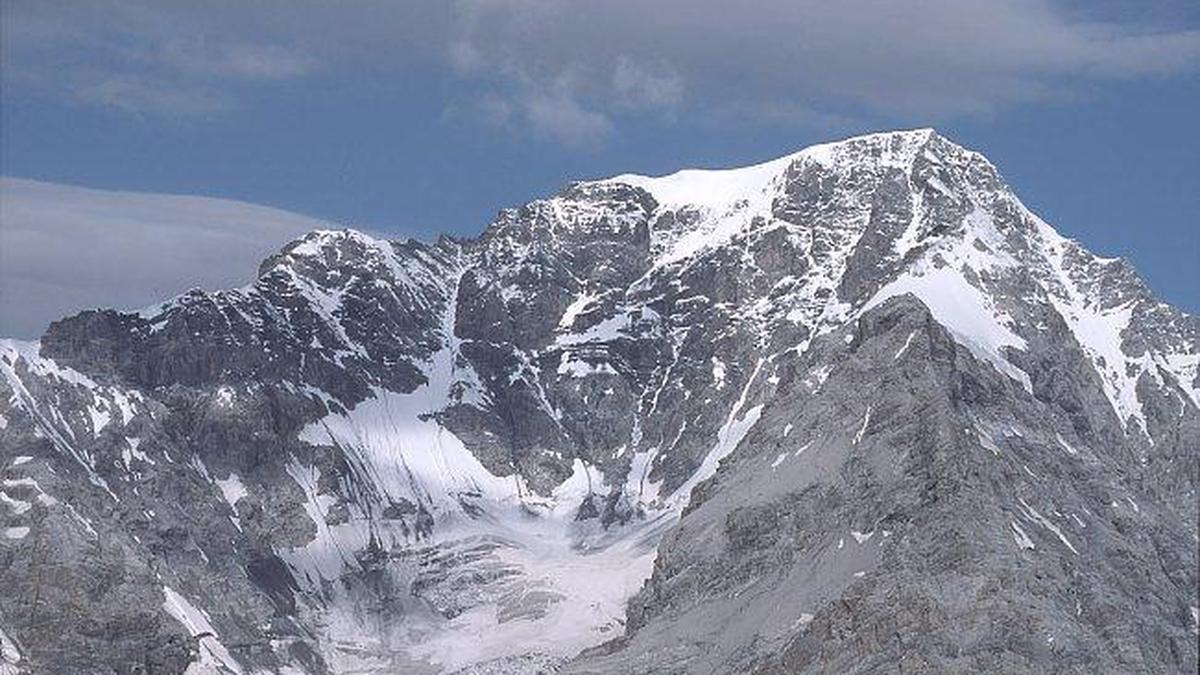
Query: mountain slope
{"type": "Point", "coordinates": [852, 407]}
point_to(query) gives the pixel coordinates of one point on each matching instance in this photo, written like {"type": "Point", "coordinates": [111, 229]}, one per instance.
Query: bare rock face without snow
{"type": "Point", "coordinates": [856, 409]}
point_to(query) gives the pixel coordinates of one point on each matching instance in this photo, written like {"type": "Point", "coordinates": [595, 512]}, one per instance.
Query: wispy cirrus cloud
{"type": "Point", "coordinates": [141, 94]}
{"type": "Point", "coordinates": [233, 60]}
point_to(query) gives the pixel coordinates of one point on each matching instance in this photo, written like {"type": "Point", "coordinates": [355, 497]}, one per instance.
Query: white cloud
{"type": "Point", "coordinates": [66, 248]}
{"type": "Point", "coordinates": [570, 70]}
{"type": "Point", "coordinates": [245, 61]}
{"type": "Point", "coordinates": [641, 86]}
{"type": "Point", "coordinates": [143, 57]}
{"type": "Point", "coordinates": [929, 57]}
{"type": "Point", "coordinates": [142, 94]}
{"type": "Point", "coordinates": [563, 118]}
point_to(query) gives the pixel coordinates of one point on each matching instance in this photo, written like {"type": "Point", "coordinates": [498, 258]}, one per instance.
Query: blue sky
{"type": "Point", "coordinates": [426, 117]}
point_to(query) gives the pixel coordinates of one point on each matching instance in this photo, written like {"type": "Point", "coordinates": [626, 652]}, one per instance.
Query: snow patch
{"type": "Point", "coordinates": [571, 365]}
{"type": "Point", "coordinates": [866, 421]}
{"type": "Point", "coordinates": [131, 451]}
{"type": "Point", "coordinates": [578, 306]}
{"type": "Point", "coordinates": [718, 373]}
{"type": "Point", "coordinates": [1031, 514]}
{"type": "Point", "coordinates": [10, 656]}
{"type": "Point", "coordinates": [214, 657]}
{"type": "Point", "coordinates": [1065, 445]}
{"type": "Point", "coordinates": [861, 537]}
{"type": "Point", "coordinates": [964, 311]}
{"type": "Point", "coordinates": [15, 506]}
{"type": "Point", "coordinates": [736, 426]}
{"type": "Point", "coordinates": [232, 489]}
{"type": "Point", "coordinates": [903, 349]}
{"type": "Point", "coordinates": [1022, 539]}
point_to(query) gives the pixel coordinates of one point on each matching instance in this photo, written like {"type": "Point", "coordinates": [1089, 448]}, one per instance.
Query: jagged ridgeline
{"type": "Point", "coordinates": [853, 409]}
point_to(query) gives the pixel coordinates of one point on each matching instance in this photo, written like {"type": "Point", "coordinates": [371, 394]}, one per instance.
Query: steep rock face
{"type": "Point", "coordinates": [946, 437]}
{"type": "Point", "coordinates": [338, 311]}
{"type": "Point", "coordinates": [915, 509]}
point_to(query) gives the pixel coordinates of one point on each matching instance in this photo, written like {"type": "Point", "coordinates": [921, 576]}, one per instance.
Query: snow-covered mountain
{"type": "Point", "coordinates": [847, 409]}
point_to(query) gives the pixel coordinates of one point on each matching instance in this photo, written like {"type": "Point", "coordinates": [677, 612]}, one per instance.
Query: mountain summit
{"type": "Point", "coordinates": [853, 409]}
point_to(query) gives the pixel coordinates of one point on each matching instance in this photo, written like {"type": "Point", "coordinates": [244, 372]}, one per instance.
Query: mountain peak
{"type": "Point", "coordinates": [820, 367]}
{"type": "Point", "coordinates": [714, 187]}
{"type": "Point", "coordinates": [327, 247]}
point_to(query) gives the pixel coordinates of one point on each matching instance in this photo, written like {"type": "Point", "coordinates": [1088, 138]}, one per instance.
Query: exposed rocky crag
{"type": "Point", "coordinates": [853, 409]}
